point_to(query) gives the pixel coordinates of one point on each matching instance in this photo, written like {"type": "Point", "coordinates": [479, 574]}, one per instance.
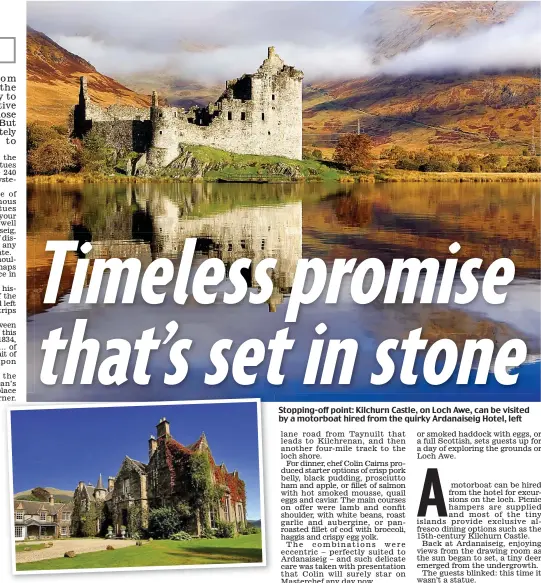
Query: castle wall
{"type": "Point", "coordinates": [124, 127]}
{"type": "Point", "coordinates": [126, 135]}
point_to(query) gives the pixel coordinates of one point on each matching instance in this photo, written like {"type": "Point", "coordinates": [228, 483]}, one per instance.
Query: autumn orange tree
{"type": "Point", "coordinates": [354, 151]}
{"type": "Point", "coordinates": [49, 149]}
{"type": "Point", "coordinates": [51, 157]}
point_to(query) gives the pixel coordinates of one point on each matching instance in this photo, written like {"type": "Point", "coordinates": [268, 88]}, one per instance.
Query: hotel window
{"type": "Point", "coordinates": [229, 115]}
{"type": "Point", "coordinates": [273, 97]}
{"type": "Point", "coordinates": [18, 532]}
{"type": "Point", "coordinates": [49, 518]}
{"type": "Point", "coordinates": [64, 531]}
{"type": "Point", "coordinates": [19, 515]}
{"type": "Point", "coordinates": [242, 115]}
{"type": "Point", "coordinates": [263, 116]}
{"type": "Point", "coordinates": [43, 515]}
{"type": "Point", "coordinates": [65, 515]}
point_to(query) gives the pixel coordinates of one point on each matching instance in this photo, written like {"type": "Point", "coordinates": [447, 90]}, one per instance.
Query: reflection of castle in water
{"type": "Point", "coordinates": [164, 220]}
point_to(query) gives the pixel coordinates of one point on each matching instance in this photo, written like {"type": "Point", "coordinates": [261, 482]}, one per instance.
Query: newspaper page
{"type": "Point", "coordinates": [269, 291]}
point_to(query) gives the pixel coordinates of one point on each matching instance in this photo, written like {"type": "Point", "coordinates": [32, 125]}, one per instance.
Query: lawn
{"type": "Point", "coordinates": [162, 553]}
{"type": "Point", "coordinates": [31, 546]}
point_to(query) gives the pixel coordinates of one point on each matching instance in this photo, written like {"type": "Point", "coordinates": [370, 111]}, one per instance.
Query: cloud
{"type": "Point", "coordinates": [511, 45]}
{"type": "Point", "coordinates": [340, 60]}
{"type": "Point", "coordinates": [213, 41]}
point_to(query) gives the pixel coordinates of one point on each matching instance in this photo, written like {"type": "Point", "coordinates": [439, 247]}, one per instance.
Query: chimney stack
{"type": "Point", "coordinates": [152, 446]}
{"type": "Point", "coordinates": [51, 499]}
{"type": "Point", "coordinates": [163, 428]}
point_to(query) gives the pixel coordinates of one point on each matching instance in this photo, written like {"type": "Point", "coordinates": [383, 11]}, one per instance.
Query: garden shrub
{"type": "Point", "coordinates": [163, 523]}
{"type": "Point", "coordinates": [181, 536]}
{"type": "Point", "coordinates": [224, 529]}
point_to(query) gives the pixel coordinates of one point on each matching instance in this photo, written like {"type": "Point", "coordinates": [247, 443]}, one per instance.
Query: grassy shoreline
{"type": "Point", "coordinates": [206, 164]}
{"type": "Point", "coordinates": [395, 176]}
{"type": "Point", "coordinates": [417, 176]}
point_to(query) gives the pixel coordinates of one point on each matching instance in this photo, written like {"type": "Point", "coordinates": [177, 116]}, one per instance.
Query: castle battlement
{"type": "Point", "coordinates": [258, 113]}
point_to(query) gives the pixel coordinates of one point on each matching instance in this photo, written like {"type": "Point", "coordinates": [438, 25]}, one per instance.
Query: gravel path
{"type": "Point", "coordinates": [79, 545]}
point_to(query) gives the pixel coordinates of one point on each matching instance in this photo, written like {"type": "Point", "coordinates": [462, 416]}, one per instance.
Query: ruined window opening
{"type": "Point", "coordinates": [161, 114]}
{"type": "Point", "coordinates": [242, 115]}
{"type": "Point", "coordinates": [273, 97]}
{"type": "Point", "coordinates": [229, 115]}
{"type": "Point", "coordinates": [263, 116]}
{"type": "Point", "coordinates": [269, 133]}
{"type": "Point", "coordinates": [160, 132]}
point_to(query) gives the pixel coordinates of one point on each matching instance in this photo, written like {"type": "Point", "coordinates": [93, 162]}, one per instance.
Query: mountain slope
{"type": "Point", "coordinates": [53, 82]}
{"type": "Point", "coordinates": [490, 112]}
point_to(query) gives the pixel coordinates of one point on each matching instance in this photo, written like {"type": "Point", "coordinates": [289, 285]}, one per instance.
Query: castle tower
{"type": "Point", "coordinates": [99, 491]}
{"type": "Point", "coordinates": [83, 89]}
{"type": "Point", "coordinates": [258, 113]}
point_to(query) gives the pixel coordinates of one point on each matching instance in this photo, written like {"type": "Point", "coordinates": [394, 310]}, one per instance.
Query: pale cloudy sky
{"type": "Point", "coordinates": [210, 41]}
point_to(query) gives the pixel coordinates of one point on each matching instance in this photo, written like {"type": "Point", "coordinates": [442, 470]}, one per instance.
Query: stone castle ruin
{"type": "Point", "coordinates": [259, 113]}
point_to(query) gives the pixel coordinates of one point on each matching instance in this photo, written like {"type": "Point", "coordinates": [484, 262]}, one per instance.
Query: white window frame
{"type": "Point", "coordinates": [43, 515]}
{"type": "Point", "coordinates": [66, 515]}
{"type": "Point", "coordinates": [64, 531]}
{"type": "Point", "coordinates": [19, 531]}
{"type": "Point", "coordinates": [19, 515]}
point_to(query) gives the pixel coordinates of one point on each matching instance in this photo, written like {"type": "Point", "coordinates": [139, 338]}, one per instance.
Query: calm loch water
{"type": "Point", "coordinates": [287, 221]}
